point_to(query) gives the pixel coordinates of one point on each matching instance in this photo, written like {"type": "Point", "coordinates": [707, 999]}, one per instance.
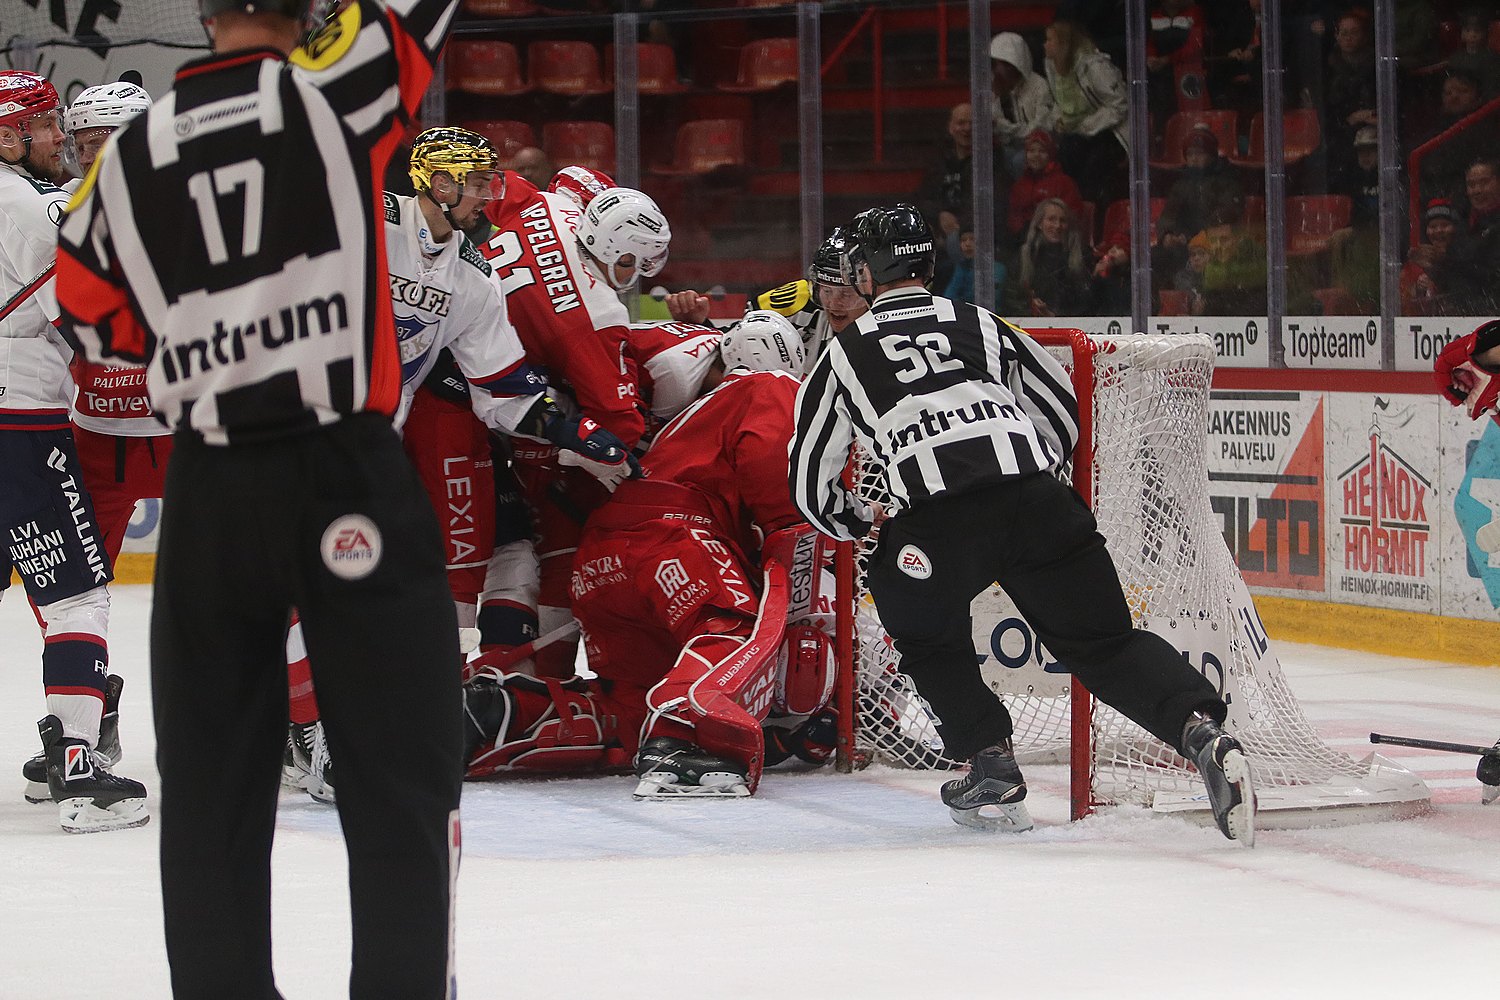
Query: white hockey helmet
{"type": "Point", "coordinates": [624, 221]}
{"type": "Point", "coordinates": [582, 184]}
{"type": "Point", "coordinates": [108, 106]}
{"type": "Point", "coordinates": [763, 341]}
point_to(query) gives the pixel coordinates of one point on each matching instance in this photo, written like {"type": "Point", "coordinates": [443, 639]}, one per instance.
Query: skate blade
{"type": "Point", "coordinates": [320, 791]}
{"type": "Point", "coordinates": [37, 792]}
{"type": "Point", "coordinates": [80, 815]}
{"type": "Point", "coordinates": [713, 785]}
{"type": "Point", "coordinates": [1241, 818]}
{"type": "Point", "coordinates": [1012, 817]}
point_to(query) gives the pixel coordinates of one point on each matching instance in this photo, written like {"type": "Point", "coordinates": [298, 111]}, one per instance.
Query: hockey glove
{"type": "Point", "coordinates": [594, 449]}
{"type": "Point", "coordinates": [1488, 774]}
{"type": "Point", "coordinates": [1464, 381]}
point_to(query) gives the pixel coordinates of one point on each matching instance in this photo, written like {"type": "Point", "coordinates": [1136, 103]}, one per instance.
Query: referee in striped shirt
{"type": "Point", "coordinates": [968, 420]}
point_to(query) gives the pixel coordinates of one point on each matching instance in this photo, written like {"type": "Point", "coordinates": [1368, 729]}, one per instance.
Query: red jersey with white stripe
{"type": "Point", "coordinates": [570, 321]}
{"type": "Point", "coordinates": [731, 446]}
{"type": "Point", "coordinates": [669, 360]}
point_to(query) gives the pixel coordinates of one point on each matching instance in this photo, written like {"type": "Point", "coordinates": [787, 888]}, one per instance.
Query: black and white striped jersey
{"type": "Point", "coordinates": [230, 237]}
{"type": "Point", "coordinates": [943, 396]}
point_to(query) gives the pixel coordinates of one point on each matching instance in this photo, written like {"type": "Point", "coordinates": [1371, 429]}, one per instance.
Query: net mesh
{"type": "Point", "coordinates": [1150, 398]}
{"type": "Point", "coordinates": [163, 22]}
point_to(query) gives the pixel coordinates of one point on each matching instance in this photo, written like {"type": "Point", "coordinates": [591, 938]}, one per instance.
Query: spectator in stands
{"type": "Point", "coordinates": [1467, 278]}
{"type": "Point", "coordinates": [1043, 178]}
{"type": "Point", "coordinates": [1193, 276]}
{"type": "Point", "coordinates": [1348, 88]}
{"type": "Point", "coordinates": [1234, 54]}
{"type": "Point", "coordinates": [1208, 193]}
{"type": "Point", "coordinates": [1362, 182]}
{"type": "Point", "coordinates": [1109, 289]}
{"type": "Point", "coordinates": [1088, 94]}
{"type": "Point", "coordinates": [1474, 55]}
{"type": "Point", "coordinates": [1419, 294]}
{"type": "Point", "coordinates": [947, 192]}
{"type": "Point", "coordinates": [1168, 256]}
{"type": "Point", "coordinates": [532, 164]}
{"type": "Point", "coordinates": [1355, 249]}
{"type": "Point", "coordinates": [961, 287]}
{"type": "Point", "coordinates": [1174, 48]}
{"type": "Point", "coordinates": [1023, 101]}
{"type": "Point", "coordinates": [1054, 279]}
{"type": "Point", "coordinates": [1443, 168]}
{"type": "Point", "coordinates": [1234, 279]}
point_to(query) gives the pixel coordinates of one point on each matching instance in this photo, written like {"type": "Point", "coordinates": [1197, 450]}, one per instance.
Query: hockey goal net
{"type": "Point", "coordinates": [1142, 464]}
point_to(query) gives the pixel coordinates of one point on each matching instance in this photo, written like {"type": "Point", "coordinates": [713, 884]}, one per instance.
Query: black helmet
{"type": "Point", "coordinates": [828, 263]}
{"type": "Point", "coordinates": [894, 243]}
{"type": "Point", "coordinates": [297, 10]}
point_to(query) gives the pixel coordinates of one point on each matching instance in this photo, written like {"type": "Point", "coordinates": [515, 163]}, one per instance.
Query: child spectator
{"type": "Point", "coordinates": [1088, 93]}
{"type": "Point", "coordinates": [960, 287]}
{"type": "Point", "coordinates": [1023, 101]}
{"type": "Point", "coordinates": [1054, 279]}
{"type": "Point", "coordinates": [1208, 193]}
{"type": "Point", "coordinates": [1043, 178]}
{"type": "Point", "coordinates": [1474, 56]}
{"type": "Point", "coordinates": [1419, 295]}
{"type": "Point", "coordinates": [1468, 276]}
{"type": "Point", "coordinates": [1362, 182]}
{"type": "Point", "coordinates": [1192, 278]}
{"type": "Point", "coordinates": [1109, 289]}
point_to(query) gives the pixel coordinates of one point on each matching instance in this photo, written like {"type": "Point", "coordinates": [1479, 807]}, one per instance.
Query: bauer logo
{"type": "Point", "coordinates": [351, 547]}
{"type": "Point", "coordinates": [914, 562]}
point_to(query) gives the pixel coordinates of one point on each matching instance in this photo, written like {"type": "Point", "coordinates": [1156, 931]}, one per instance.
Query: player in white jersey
{"type": "Point", "coordinates": [91, 119]}
{"type": "Point", "coordinates": [46, 514]}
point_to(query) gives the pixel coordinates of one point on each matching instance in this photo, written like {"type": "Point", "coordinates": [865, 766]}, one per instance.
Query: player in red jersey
{"type": "Point", "coordinates": [683, 634]}
{"type": "Point", "coordinates": [670, 361]}
{"type": "Point", "coordinates": [561, 267]}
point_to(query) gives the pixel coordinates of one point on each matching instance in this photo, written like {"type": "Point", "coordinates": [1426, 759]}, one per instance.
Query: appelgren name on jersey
{"type": "Point", "coordinates": [286, 325]}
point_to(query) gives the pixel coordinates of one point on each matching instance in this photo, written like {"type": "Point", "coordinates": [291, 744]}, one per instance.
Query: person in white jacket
{"type": "Point", "coordinates": [1090, 108]}
{"type": "Point", "coordinates": [1023, 100]}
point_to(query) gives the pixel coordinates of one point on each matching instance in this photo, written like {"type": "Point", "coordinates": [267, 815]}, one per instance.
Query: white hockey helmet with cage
{"type": "Point", "coordinates": [109, 105]}
{"type": "Point", "coordinates": [763, 341]}
{"type": "Point", "coordinates": [625, 221]}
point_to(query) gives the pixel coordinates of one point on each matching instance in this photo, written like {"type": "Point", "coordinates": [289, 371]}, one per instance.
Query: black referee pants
{"type": "Point", "coordinates": [1037, 538]}
{"type": "Point", "coordinates": [249, 532]}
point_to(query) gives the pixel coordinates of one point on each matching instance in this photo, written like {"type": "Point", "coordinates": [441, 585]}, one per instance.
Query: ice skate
{"type": "Point", "coordinates": [671, 768]}
{"type": "Point", "coordinates": [306, 764]}
{"type": "Point", "coordinates": [992, 795]}
{"type": "Point", "coordinates": [1226, 772]}
{"type": "Point", "coordinates": [35, 773]}
{"type": "Point", "coordinates": [89, 798]}
{"type": "Point", "coordinates": [108, 751]}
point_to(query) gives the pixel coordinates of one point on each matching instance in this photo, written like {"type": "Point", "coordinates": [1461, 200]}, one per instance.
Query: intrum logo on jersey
{"type": "Point", "coordinates": [351, 547]}
{"type": "Point", "coordinates": [77, 763]}
{"type": "Point", "coordinates": [671, 576]}
{"type": "Point", "coordinates": [419, 296]}
{"type": "Point", "coordinates": [299, 322]}
{"type": "Point", "coordinates": [930, 423]}
{"type": "Point", "coordinates": [914, 562]}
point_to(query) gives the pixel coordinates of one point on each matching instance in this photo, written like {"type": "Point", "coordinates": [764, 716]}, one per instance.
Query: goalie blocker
{"type": "Point", "coordinates": [654, 585]}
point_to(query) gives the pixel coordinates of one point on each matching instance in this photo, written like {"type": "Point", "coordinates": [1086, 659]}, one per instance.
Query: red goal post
{"type": "Point", "coordinates": [1141, 464]}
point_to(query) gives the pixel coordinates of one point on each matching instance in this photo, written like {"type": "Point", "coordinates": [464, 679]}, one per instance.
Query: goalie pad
{"type": "Point", "coordinates": [722, 684]}
{"type": "Point", "coordinates": [805, 670]}
{"type": "Point", "coordinates": [525, 723]}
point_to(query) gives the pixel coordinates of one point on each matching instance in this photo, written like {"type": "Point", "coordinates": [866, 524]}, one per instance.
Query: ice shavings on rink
{"type": "Point", "coordinates": [824, 886]}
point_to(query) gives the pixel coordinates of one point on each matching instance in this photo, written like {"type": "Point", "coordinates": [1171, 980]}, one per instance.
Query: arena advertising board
{"type": "Point", "coordinates": [1420, 339]}
{"type": "Point", "coordinates": [1239, 341]}
{"type": "Point", "coordinates": [1384, 501]}
{"type": "Point", "coordinates": [1266, 485]}
{"type": "Point", "coordinates": [79, 45]}
{"type": "Point", "coordinates": [1331, 341]}
{"type": "Point", "coordinates": [1469, 515]}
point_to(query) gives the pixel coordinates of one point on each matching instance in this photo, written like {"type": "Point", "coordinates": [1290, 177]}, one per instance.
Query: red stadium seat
{"type": "Point", "coordinates": [706, 145]}
{"type": "Point", "coordinates": [1174, 302]}
{"type": "Point", "coordinates": [571, 68]}
{"type": "Point", "coordinates": [1337, 302]}
{"type": "Point", "coordinates": [1223, 124]}
{"type": "Point", "coordinates": [1300, 137]}
{"type": "Point", "coordinates": [765, 65]}
{"type": "Point", "coordinates": [1117, 217]}
{"type": "Point", "coordinates": [489, 68]}
{"type": "Point", "coordinates": [500, 8]}
{"type": "Point", "coordinates": [1311, 221]}
{"type": "Point", "coordinates": [584, 144]}
{"type": "Point", "coordinates": [655, 65]}
{"type": "Point", "coordinates": [507, 136]}
{"type": "Point", "coordinates": [1255, 208]}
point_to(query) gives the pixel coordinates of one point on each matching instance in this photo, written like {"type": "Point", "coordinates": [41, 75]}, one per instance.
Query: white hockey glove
{"type": "Point", "coordinates": [595, 450]}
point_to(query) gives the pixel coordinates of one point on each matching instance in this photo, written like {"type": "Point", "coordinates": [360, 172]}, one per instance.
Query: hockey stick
{"type": "Point", "coordinates": [27, 290]}
{"type": "Point", "coordinates": [1407, 741]}
{"type": "Point", "coordinates": [498, 663]}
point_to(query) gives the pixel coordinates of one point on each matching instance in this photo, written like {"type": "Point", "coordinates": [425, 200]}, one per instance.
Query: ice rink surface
{"type": "Point", "coordinates": [823, 886]}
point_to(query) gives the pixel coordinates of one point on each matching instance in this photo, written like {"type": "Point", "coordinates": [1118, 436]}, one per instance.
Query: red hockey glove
{"type": "Point", "coordinates": [1462, 380]}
